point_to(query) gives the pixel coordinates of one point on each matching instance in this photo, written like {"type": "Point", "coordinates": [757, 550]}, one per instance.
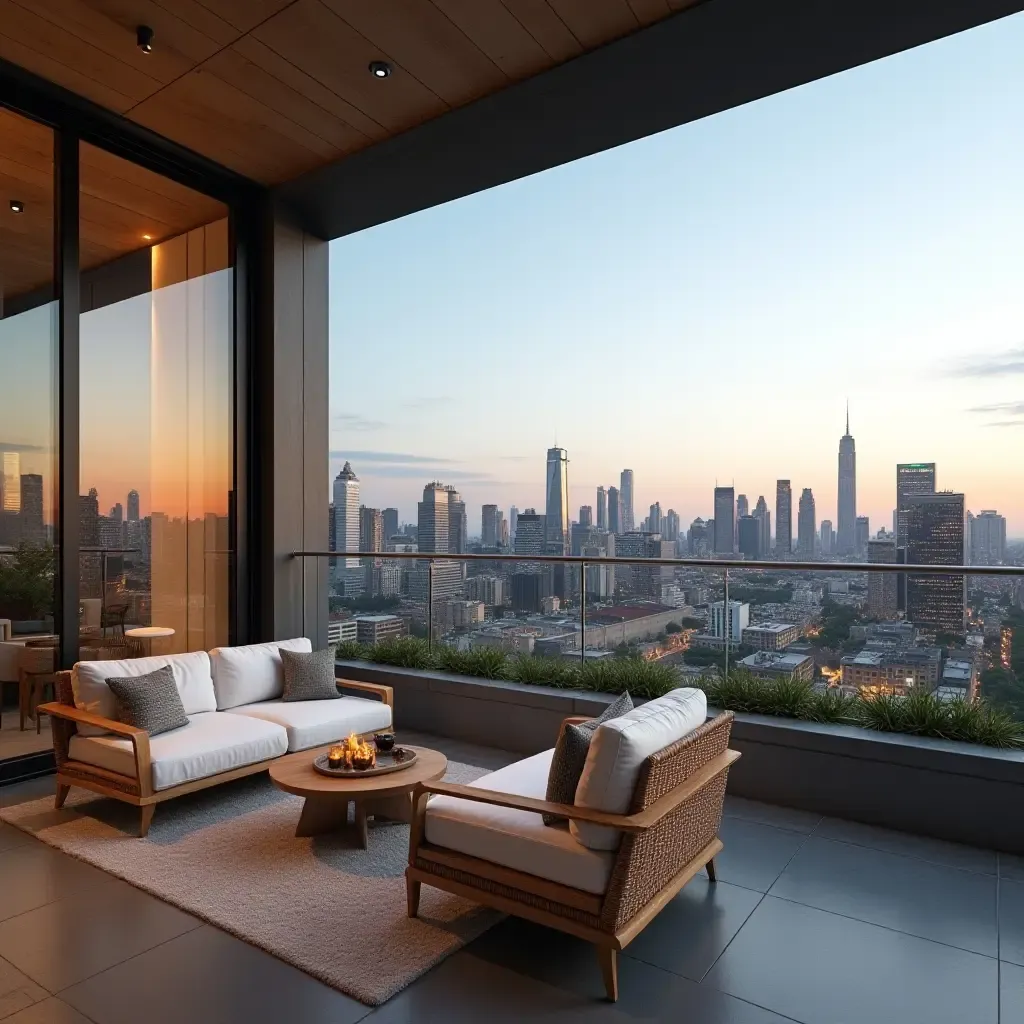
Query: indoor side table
{"type": "Point", "coordinates": [149, 633]}
{"type": "Point", "coordinates": [387, 797]}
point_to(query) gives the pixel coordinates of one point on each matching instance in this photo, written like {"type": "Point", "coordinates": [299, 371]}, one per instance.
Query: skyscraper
{"type": "Point", "coordinates": [882, 585]}
{"type": "Point", "coordinates": [530, 534]}
{"type": "Point", "coordinates": [458, 526]}
{"type": "Point", "coordinates": [863, 535]}
{"type": "Point", "coordinates": [827, 537]}
{"type": "Point", "coordinates": [783, 518]}
{"type": "Point", "coordinates": [614, 511]}
{"type": "Point", "coordinates": [764, 522]}
{"type": "Point", "coordinates": [935, 536]}
{"type": "Point", "coordinates": [725, 528]}
{"type": "Point", "coordinates": [346, 516]}
{"type": "Point", "coordinates": [556, 513]}
{"type": "Point", "coordinates": [670, 525]}
{"type": "Point", "coordinates": [987, 536]}
{"type": "Point", "coordinates": [513, 519]}
{"type": "Point", "coordinates": [432, 519]}
{"type": "Point", "coordinates": [32, 530]}
{"type": "Point", "coordinates": [371, 529]}
{"type": "Point", "coordinates": [806, 525]}
{"type": "Point", "coordinates": [846, 535]}
{"type": "Point", "coordinates": [586, 516]}
{"type": "Point", "coordinates": [911, 478]}
{"type": "Point", "coordinates": [748, 531]}
{"type": "Point", "coordinates": [133, 506]}
{"type": "Point", "coordinates": [742, 506]}
{"type": "Point", "coordinates": [602, 509]}
{"type": "Point", "coordinates": [626, 520]}
{"type": "Point", "coordinates": [654, 518]}
{"type": "Point", "coordinates": [490, 525]}
{"type": "Point", "coordinates": [390, 518]}
{"type": "Point", "coordinates": [11, 482]}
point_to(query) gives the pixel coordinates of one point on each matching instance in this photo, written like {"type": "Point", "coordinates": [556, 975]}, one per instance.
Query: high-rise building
{"type": "Point", "coordinates": [458, 526]}
{"type": "Point", "coordinates": [725, 529]}
{"type": "Point", "coordinates": [806, 525]}
{"type": "Point", "coordinates": [11, 482]}
{"type": "Point", "coordinates": [742, 506]}
{"type": "Point", "coordinates": [732, 624]}
{"type": "Point", "coordinates": [390, 518]}
{"type": "Point", "coordinates": [614, 511]}
{"type": "Point", "coordinates": [640, 580]}
{"type": "Point", "coordinates": [513, 519]}
{"type": "Point", "coordinates": [530, 534]}
{"type": "Point", "coordinates": [133, 506]}
{"type": "Point", "coordinates": [987, 536]}
{"type": "Point", "coordinates": [828, 537]}
{"type": "Point", "coordinates": [911, 478]}
{"type": "Point", "coordinates": [764, 522]}
{"type": "Point", "coordinates": [490, 526]}
{"type": "Point", "coordinates": [863, 535]}
{"type": "Point", "coordinates": [602, 509]}
{"type": "Point", "coordinates": [371, 529]}
{"type": "Point", "coordinates": [670, 525]}
{"type": "Point", "coordinates": [882, 585]}
{"type": "Point", "coordinates": [654, 518]}
{"type": "Point", "coordinates": [32, 529]}
{"type": "Point", "coordinates": [346, 527]}
{"type": "Point", "coordinates": [846, 536]}
{"type": "Point", "coordinates": [117, 512]}
{"type": "Point", "coordinates": [556, 512]}
{"type": "Point", "coordinates": [935, 536]}
{"type": "Point", "coordinates": [432, 520]}
{"type": "Point", "coordinates": [90, 572]}
{"type": "Point", "coordinates": [783, 518]}
{"type": "Point", "coordinates": [700, 538]}
{"type": "Point", "coordinates": [586, 516]}
{"type": "Point", "coordinates": [626, 520]}
{"type": "Point", "coordinates": [748, 531]}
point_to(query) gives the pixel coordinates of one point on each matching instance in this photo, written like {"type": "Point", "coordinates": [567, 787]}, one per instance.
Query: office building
{"type": "Point", "coordinates": [882, 586]}
{"type": "Point", "coordinates": [646, 582]}
{"type": "Point", "coordinates": [742, 506]}
{"type": "Point", "coordinates": [806, 525]}
{"type": "Point", "coordinates": [614, 511]}
{"type": "Point", "coordinates": [513, 519]}
{"type": "Point", "coordinates": [700, 539]}
{"type": "Point", "coordinates": [32, 529]}
{"type": "Point", "coordinates": [783, 518]}
{"type": "Point", "coordinates": [738, 620]}
{"type": "Point", "coordinates": [846, 520]}
{"type": "Point", "coordinates": [371, 529]}
{"type": "Point", "coordinates": [626, 520]}
{"type": "Point", "coordinates": [490, 526]}
{"type": "Point", "coordinates": [771, 636]}
{"type": "Point", "coordinates": [776, 665]}
{"type": "Point", "coordinates": [654, 518]}
{"type": "Point", "coordinates": [602, 509]}
{"type": "Point", "coordinates": [828, 538]}
{"type": "Point", "coordinates": [133, 506]}
{"type": "Point", "coordinates": [911, 478]}
{"type": "Point", "coordinates": [529, 590]}
{"type": "Point", "coordinates": [529, 534]}
{"type": "Point", "coordinates": [987, 537]}
{"type": "Point", "coordinates": [432, 520]}
{"type": "Point", "coordinates": [556, 513]}
{"type": "Point", "coordinates": [882, 669]}
{"type": "Point", "coordinates": [341, 631]}
{"type": "Point", "coordinates": [10, 495]}
{"type": "Point", "coordinates": [863, 535]}
{"type": "Point", "coordinates": [348, 575]}
{"type": "Point", "coordinates": [935, 536]}
{"type": "Point", "coordinates": [458, 524]}
{"type": "Point", "coordinates": [372, 629]}
{"type": "Point", "coordinates": [489, 589]}
{"type": "Point", "coordinates": [748, 532]}
{"type": "Point", "coordinates": [764, 526]}
{"type": "Point", "coordinates": [670, 525]}
{"type": "Point", "coordinates": [586, 516]}
{"type": "Point", "coordinates": [725, 528]}
{"type": "Point", "coordinates": [390, 524]}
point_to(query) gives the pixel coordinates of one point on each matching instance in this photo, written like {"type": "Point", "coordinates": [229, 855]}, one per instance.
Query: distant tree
{"type": "Point", "coordinates": [673, 627]}
{"type": "Point", "coordinates": [689, 622]}
{"type": "Point", "coordinates": [1002, 689]}
{"type": "Point", "coordinates": [26, 582]}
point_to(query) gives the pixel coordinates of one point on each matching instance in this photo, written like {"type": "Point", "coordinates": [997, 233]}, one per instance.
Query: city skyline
{"type": "Point", "coordinates": [830, 251]}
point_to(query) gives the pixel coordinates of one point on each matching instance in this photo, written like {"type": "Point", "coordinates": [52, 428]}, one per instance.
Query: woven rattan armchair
{"type": "Point", "coordinates": [669, 834]}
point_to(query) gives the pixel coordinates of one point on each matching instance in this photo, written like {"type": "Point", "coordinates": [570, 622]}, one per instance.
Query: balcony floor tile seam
{"type": "Point", "coordinates": [767, 824]}
{"type": "Point", "coordinates": [888, 928]}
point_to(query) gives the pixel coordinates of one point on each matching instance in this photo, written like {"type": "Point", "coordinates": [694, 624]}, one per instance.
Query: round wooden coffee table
{"type": "Point", "coordinates": [387, 797]}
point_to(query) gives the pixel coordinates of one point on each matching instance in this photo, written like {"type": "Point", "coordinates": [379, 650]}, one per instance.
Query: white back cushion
{"type": "Point", "coordinates": [618, 749]}
{"type": "Point", "coordinates": [191, 676]}
{"type": "Point", "coordinates": [245, 675]}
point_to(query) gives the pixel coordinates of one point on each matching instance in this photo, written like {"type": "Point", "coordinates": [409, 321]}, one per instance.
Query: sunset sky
{"type": "Point", "coordinates": [699, 305]}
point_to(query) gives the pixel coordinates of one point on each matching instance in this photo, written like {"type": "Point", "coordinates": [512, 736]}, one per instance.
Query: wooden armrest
{"type": "Point", "coordinates": [638, 822]}
{"type": "Point", "coordinates": [386, 693]}
{"type": "Point", "coordinates": [139, 737]}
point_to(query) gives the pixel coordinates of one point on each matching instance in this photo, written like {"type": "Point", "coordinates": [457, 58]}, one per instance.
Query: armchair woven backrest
{"type": "Point", "coordinates": [63, 730]}
{"type": "Point", "coordinates": [648, 860]}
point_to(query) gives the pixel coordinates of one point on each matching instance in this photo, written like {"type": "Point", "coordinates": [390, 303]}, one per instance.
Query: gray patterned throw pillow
{"type": "Point", "coordinates": [309, 676]}
{"type": "Point", "coordinates": [570, 756]}
{"type": "Point", "coordinates": [149, 702]}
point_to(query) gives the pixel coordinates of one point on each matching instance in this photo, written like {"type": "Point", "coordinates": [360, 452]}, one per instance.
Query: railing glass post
{"type": "Point", "coordinates": [726, 625]}
{"type": "Point", "coordinates": [430, 604]}
{"type": "Point", "coordinates": [583, 613]}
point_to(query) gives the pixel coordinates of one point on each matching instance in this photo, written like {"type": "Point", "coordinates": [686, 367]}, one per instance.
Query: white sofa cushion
{"type": "Point", "coordinates": [312, 723]}
{"type": "Point", "coordinates": [211, 743]}
{"type": "Point", "coordinates": [191, 676]}
{"type": "Point", "coordinates": [517, 839]}
{"type": "Point", "coordinates": [247, 675]}
{"type": "Point", "coordinates": [618, 749]}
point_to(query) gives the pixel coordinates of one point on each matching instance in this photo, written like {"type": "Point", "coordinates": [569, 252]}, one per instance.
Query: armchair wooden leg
{"type": "Point", "coordinates": [145, 818]}
{"type": "Point", "coordinates": [609, 959]}
{"type": "Point", "coordinates": [62, 795]}
{"type": "Point", "coordinates": [412, 896]}
{"type": "Point", "coordinates": [710, 868]}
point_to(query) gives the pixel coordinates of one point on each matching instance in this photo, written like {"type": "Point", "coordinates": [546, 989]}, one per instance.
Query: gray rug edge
{"type": "Point", "coordinates": [488, 917]}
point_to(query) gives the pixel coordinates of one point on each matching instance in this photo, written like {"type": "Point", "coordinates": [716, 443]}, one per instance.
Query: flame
{"type": "Point", "coordinates": [354, 752]}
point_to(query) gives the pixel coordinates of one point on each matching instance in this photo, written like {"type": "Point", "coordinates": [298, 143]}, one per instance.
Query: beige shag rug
{"type": "Point", "coordinates": [229, 856]}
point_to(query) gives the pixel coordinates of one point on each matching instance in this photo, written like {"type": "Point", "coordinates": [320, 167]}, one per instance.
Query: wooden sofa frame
{"type": "Point", "coordinates": [669, 834]}
{"type": "Point", "coordinates": [137, 789]}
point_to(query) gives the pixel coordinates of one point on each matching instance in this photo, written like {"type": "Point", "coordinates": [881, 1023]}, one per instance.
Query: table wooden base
{"type": "Point", "coordinates": [328, 814]}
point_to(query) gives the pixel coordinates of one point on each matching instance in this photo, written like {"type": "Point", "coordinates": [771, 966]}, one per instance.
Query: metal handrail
{"type": "Point", "coordinates": [683, 563]}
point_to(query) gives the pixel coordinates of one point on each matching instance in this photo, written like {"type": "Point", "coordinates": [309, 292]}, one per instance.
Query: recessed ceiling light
{"type": "Point", "coordinates": [380, 68]}
{"type": "Point", "coordinates": [144, 38]}
{"type": "Point", "coordinates": [147, 238]}
{"type": "Point", "coordinates": [17, 206]}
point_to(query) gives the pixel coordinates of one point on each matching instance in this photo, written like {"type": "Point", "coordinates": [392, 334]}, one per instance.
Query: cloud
{"type": "Point", "coordinates": [353, 421]}
{"type": "Point", "coordinates": [1012, 413]}
{"type": "Point", "coordinates": [11, 446]}
{"type": "Point", "coordinates": [390, 458]}
{"type": "Point", "coordinates": [1002, 364]}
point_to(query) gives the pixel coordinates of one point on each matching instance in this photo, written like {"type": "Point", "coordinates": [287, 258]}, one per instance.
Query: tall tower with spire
{"type": "Point", "coordinates": [846, 534]}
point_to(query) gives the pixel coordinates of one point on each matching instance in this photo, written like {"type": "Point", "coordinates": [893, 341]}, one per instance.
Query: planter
{"type": "Point", "coordinates": [954, 791]}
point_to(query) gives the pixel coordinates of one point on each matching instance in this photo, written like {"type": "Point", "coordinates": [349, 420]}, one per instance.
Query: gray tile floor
{"type": "Point", "coordinates": [812, 920]}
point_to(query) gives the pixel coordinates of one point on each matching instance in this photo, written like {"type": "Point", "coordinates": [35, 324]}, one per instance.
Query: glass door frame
{"type": "Point", "coordinates": [75, 120]}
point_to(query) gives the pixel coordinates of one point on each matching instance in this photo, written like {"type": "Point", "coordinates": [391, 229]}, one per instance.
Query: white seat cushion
{"type": "Point", "coordinates": [191, 676]}
{"type": "Point", "coordinates": [211, 743]}
{"type": "Point", "coordinates": [619, 748]}
{"type": "Point", "coordinates": [312, 723]}
{"type": "Point", "coordinates": [247, 675]}
{"type": "Point", "coordinates": [517, 839]}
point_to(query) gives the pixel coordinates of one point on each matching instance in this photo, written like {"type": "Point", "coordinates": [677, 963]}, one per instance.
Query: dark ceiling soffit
{"type": "Point", "coordinates": [709, 58]}
{"type": "Point", "coordinates": [38, 98]}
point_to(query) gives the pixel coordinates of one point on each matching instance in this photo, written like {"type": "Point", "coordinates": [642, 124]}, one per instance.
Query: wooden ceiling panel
{"type": "Point", "coordinates": [540, 20]}
{"type": "Point", "coordinates": [594, 22]}
{"type": "Point", "coordinates": [647, 12]}
{"type": "Point", "coordinates": [244, 15]}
